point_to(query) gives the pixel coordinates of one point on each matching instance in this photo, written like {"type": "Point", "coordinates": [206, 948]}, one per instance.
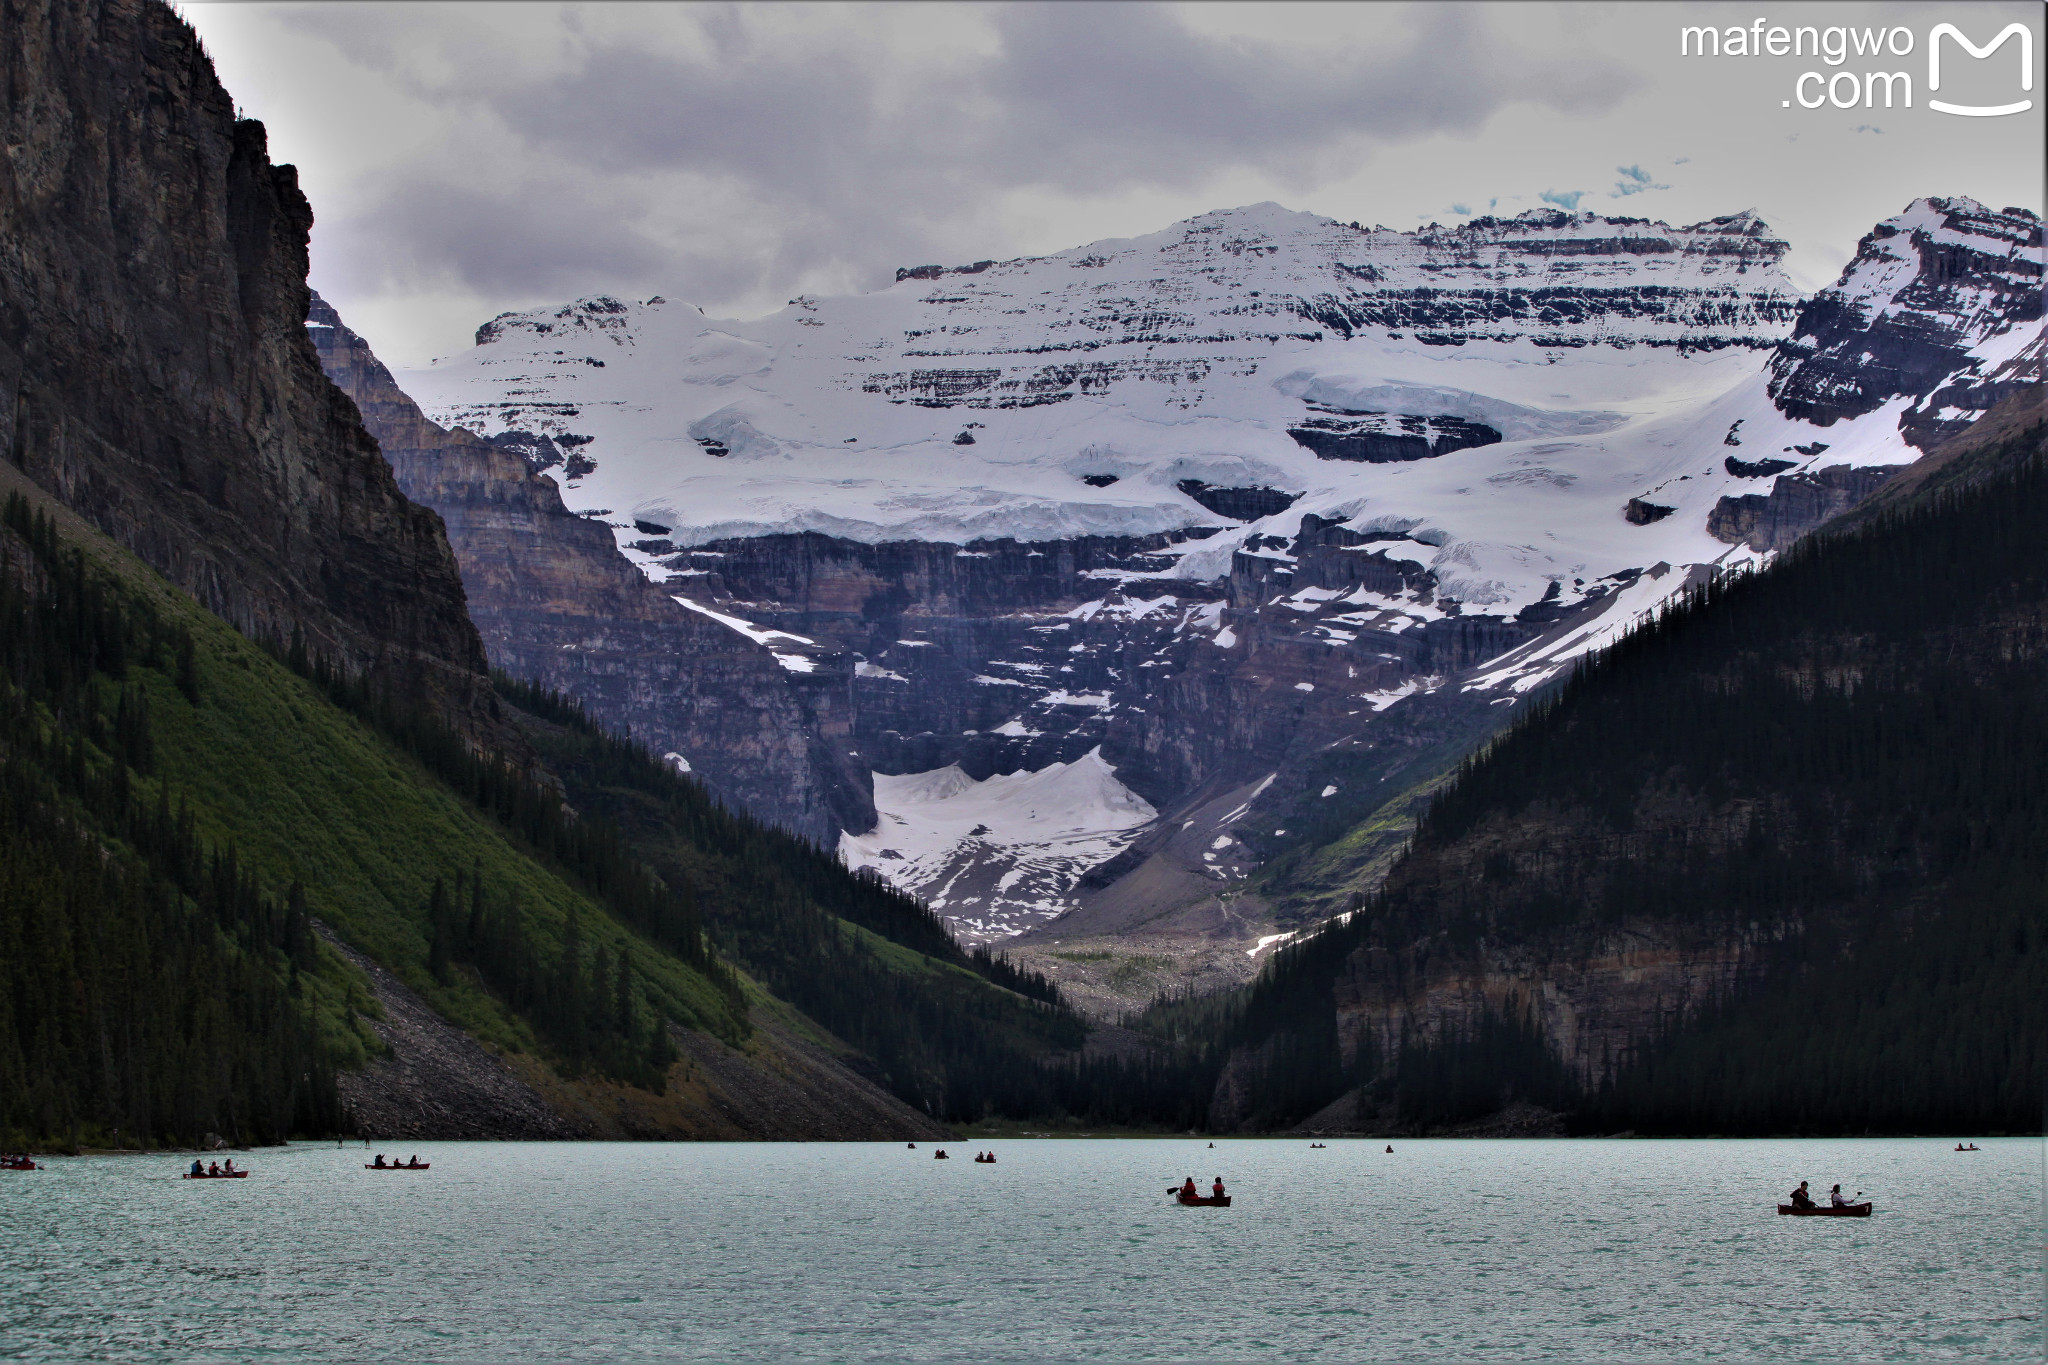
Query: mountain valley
{"type": "Point", "coordinates": [1264, 520]}
{"type": "Point", "coordinates": [1273, 674]}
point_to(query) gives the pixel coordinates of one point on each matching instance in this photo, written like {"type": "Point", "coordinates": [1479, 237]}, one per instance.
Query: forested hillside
{"type": "Point", "coordinates": [958, 1034]}
{"type": "Point", "coordinates": [1776, 863]}
{"type": "Point", "coordinates": [180, 804]}
{"type": "Point", "coordinates": [179, 809]}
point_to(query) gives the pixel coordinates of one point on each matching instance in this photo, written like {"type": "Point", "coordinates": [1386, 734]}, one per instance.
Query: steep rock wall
{"type": "Point", "coordinates": [555, 601]}
{"type": "Point", "coordinates": [1796, 504]}
{"type": "Point", "coordinates": [154, 367]}
{"type": "Point", "coordinates": [1912, 315]}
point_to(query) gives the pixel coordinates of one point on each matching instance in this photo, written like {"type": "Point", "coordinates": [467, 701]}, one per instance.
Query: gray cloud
{"type": "Point", "coordinates": [848, 159]}
{"type": "Point", "coordinates": [468, 158]}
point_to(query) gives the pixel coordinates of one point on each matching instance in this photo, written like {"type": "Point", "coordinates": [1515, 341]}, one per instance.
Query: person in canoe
{"type": "Point", "coordinates": [378, 1164]}
{"type": "Point", "coordinates": [414, 1164]}
{"type": "Point", "coordinates": [1800, 1198]}
{"type": "Point", "coordinates": [1837, 1199]}
{"type": "Point", "coordinates": [1188, 1191]}
{"type": "Point", "coordinates": [1216, 1190]}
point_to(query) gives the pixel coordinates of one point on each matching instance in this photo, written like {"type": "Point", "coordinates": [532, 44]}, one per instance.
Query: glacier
{"type": "Point", "coordinates": [1362, 439]}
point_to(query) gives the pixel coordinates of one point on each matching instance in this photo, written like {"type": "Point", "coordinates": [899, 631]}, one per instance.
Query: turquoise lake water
{"type": "Point", "coordinates": [1065, 1250]}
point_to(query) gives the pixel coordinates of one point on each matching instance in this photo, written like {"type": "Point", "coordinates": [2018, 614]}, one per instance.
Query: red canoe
{"type": "Point", "coordinates": [19, 1166]}
{"type": "Point", "coordinates": [423, 1166]}
{"type": "Point", "coordinates": [1846, 1211]}
{"type": "Point", "coordinates": [216, 1175]}
{"type": "Point", "coordinates": [1214, 1201]}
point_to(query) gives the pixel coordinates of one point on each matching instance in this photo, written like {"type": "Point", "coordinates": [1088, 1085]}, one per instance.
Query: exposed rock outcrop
{"type": "Point", "coordinates": [1389, 438]}
{"type": "Point", "coordinates": [154, 367]}
{"type": "Point", "coordinates": [555, 601]}
{"type": "Point", "coordinates": [1239, 504]}
{"type": "Point", "coordinates": [1796, 504]}
{"type": "Point", "coordinates": [1911, 317]}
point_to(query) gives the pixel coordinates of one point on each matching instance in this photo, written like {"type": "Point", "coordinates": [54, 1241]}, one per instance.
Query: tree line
{"type": "Point", "coordinates": [958, 1034]}
{"type": "Point", "coordinates": [1840, 757]}
{"type": "Point", "coordinates": [152, 992]}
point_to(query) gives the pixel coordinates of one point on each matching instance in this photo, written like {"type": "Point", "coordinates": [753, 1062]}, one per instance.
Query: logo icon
{"type": "Point", "coordinates": [1980, 110]}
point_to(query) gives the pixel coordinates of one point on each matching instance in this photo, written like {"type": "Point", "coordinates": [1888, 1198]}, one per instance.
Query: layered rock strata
{"type": "Point", "coordinates": [1796, 504]}
{"type": "Point", "coordinates": [1919, 313]}
{"type": "Point", "coordinates": [556, 602]}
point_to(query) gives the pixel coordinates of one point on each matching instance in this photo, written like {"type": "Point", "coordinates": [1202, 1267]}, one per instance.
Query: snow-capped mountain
{"type": "Point", "coordinates": [1935, 307]}
{"type": "Point", "coordinates": [1195, 506]}
{"type": "Point", "coordinates": [1097, 390]}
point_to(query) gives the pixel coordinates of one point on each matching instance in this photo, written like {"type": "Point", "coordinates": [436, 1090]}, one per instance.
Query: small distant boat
{"type": "Point", "coordinates": [399, 1166]}
{"type": "Point", "coordinates": [984, 1161]}
{"type": "Point", "coordinates": [1213, 1201]}
{"type": "Point", "coordinates": [216, 1175]}
{"type": "Point", "coordinates": [1822, 1211]}
{"type": "Point", "coordinates": [940, 1155]}
{"type": "Point", "coordinates": [19, 1164]}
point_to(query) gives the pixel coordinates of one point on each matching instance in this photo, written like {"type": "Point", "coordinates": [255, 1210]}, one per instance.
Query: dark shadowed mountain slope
{"type": "Point", "coordinates": [555, 601]}
{"type": "Point", "coordinates": [185, 817]}
{"type": "Point", "coordinates": [154, 366]}
{"type": "Point", "coordinates": [265, 864]}
{"type": "Point", "coordinates": [1773, 864]}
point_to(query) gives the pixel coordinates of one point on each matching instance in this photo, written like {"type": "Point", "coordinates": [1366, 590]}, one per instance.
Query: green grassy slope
{"type": "Point", "coordinates": [312, 794]}
{"type": "Point", "coordinates": [351, 810]}
{"type": "Point", "coordinates": [308, 796]}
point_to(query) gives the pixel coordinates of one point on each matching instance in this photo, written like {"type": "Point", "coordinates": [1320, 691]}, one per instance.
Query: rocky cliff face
{"type": "Point", "coordinates": [555, 601]}
{"type": "Point", "coordinates": [1796, 504]}
{"type": "Point", "coordinates": [1938, 306]}
{"type": "Point", "coordinates": [1003, 658]}
{"type": "Point", "coordinates": [1733, 811]}
{"type": "Point", "coordinates": [1261, 507]}
{"type": "Point", "coordinates": [154, 367]}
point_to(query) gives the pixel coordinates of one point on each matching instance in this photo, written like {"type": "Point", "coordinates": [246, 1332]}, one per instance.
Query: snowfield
{"type": "Point", "coordinates": [997, 856]}
{"type": "Point", "coordinates": [1537, 408]}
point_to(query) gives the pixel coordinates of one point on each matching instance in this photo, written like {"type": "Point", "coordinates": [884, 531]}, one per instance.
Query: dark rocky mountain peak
{"type": "Point", "coordinates": [155, 371]}
{"type": "Point", "coordinates": [555, 601]}
{"type": "Point", "coordinates": [1938, 305]}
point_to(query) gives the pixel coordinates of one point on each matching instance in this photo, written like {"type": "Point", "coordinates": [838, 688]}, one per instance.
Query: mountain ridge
{"type": "Point", "coordinates": [1358, 537]}
{"type": "Point", "coordinates": [153, 371]}
{"type": "Point", "coordinates": [556, 602]}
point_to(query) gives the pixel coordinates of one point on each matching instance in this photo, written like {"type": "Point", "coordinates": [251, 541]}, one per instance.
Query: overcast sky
{"type": "Point", "coordinates": [466, 159]}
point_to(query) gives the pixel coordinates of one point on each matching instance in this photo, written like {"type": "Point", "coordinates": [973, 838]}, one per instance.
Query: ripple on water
{"type": "Point", "coordinates": [1453, 1250]}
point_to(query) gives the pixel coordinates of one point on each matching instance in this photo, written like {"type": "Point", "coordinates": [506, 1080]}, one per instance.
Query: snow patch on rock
{"type": "Point", "coordinates": [997, 856]}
